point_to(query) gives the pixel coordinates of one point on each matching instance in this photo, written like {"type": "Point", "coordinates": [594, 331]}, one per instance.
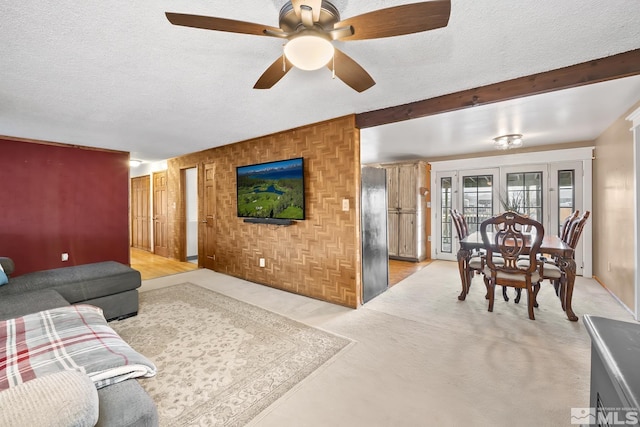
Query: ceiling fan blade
{"type": "Point", "coordinates": [399, 20]}
{"type": "Point", "coordinates": [315, 6]}
{"type": "Point", "coordinates": [350, 72]}
{"type": "Point", "coordinates": [220, 24]}
{"type": "Point", "coordinates": [274, 73]}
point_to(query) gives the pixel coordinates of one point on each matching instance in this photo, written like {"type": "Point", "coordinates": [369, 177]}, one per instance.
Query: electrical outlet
{"type": "Point", "coordinates": [345, 205]}
{"type": "Point", "coordinates": [262, 262]}
{"type": "Point", "coordinates": [65, 257]}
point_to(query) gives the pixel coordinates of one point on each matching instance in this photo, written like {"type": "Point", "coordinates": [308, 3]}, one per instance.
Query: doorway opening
{"type": "Point", "coordinates": [191, 213]}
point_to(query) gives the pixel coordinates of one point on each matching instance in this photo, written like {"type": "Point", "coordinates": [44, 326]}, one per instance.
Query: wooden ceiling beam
{"type": "Point", "coordinates": [595, 71]}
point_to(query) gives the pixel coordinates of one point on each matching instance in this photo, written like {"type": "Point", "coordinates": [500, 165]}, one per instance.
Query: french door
{"type": "Point", "coordinates": [471, 192]}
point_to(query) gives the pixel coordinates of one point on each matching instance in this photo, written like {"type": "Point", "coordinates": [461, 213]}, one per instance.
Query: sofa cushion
{"type": "Point", "coordinates": [79, 283]}
{"type": "Point", "coordinates": [126, 404]}
{"type": "Point", "coordinates": [12, 306]}
{"type": "Point", "coordinates": [63, 399]}
{"type": "Point", "coordinates": [117, 306]}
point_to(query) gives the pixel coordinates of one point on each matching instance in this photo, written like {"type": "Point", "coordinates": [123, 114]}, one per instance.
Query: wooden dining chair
{"type": "Point", "coordinates": [503, 235]}
{"type": "Point", "coordinates": [552, 273]}
{"type": "Point", "coordinates": [551, 269]}
{"type": "Point", "coordinates": [462, 229]}
{"type": "Point", "coordinates": [476, 262]}
{"type": "Point", "coordinates": [566, 225]}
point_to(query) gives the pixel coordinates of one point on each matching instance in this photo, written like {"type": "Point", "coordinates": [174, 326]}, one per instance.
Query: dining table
{"type": "Point", "coordinates": [551, 245]}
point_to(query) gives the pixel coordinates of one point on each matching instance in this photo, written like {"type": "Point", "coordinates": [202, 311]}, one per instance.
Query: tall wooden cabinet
{"type": "Point", "coordinates": [407, 192]}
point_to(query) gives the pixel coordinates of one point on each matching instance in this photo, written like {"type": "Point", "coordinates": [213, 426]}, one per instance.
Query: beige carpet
{"type": "Point", "coordinates": [220, 361]}
{"type": "Point", "coordinates": [420, 357]}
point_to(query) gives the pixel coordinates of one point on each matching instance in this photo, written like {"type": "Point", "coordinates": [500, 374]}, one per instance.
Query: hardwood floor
{"type": "Point", "coordinates": [399, 270]}
{"type": "Point", "coordinates": [151, 265]}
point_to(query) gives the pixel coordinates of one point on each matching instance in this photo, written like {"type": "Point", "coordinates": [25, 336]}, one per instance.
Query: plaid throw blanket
{"type": "Point", "coordinates": [67, 338]}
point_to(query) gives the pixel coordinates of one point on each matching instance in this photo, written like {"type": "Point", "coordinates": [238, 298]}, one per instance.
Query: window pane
{"type": "Point", "coordinates": [446, 236]}
{"type": "Point", "coordinates": [524, 194]}
{"type": "Point", "coordinates": [478, 200]}
{"type": "Point", "coordinates": [566, 195]}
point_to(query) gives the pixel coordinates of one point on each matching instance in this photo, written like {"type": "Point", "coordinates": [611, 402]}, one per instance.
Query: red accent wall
{"type": "Point", "coordinates": [56, 199]}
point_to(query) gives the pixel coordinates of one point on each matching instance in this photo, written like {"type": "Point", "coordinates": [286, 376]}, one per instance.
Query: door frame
{"type": "Point", "coordinates": [634, 118]}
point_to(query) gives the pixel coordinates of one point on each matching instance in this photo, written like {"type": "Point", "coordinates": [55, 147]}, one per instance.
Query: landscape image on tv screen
{"type": "Point", "coordinates": [271, 190]}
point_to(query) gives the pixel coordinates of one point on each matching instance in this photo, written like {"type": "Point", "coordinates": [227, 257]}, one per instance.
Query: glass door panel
{"type": "Point", "coordinates": [477, 197]}
{"type": "Point", "coordinates": [566, 195]}
{"type": "Point", "coordinates": [444, 235]}
{"type": "Point", "coordinates": [525, 194]}
{"type": "Point", "coordinates": [446, 203]}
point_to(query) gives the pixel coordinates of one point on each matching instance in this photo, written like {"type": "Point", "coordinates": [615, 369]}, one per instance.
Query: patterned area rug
{"type": "Point", "coordinates": [220, 361]}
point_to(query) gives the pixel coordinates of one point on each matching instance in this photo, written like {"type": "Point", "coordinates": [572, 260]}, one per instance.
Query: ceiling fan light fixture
{"type": "Point", "coordinates": [309, 52]}
{"type": "Point", "coordinates": [506, 142]}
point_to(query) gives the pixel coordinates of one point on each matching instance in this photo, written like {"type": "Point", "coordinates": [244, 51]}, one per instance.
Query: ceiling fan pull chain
{"type": "Point", "coordinates": [333, 67]}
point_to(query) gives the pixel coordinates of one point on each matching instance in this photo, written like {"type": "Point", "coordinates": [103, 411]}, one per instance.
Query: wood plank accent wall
{"type": "Point", "coordinates": [319, 257]}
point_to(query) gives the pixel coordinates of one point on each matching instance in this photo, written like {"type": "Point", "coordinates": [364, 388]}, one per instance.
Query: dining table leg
{"type": "Point", "coordinates": [463, 266]}
{"type": "Point", "coordinates": [568, 265]}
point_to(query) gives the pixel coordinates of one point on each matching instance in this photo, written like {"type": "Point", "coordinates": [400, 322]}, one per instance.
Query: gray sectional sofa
{"type": "Point", "coordinates": [109, 285]}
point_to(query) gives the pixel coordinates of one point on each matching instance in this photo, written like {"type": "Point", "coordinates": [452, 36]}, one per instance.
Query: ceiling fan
{"type": "Point", "coordinates": [310, 26]}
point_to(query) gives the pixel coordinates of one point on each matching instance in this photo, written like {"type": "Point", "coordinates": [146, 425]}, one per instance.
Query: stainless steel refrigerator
{"type": "Point", "coordinates": [375, 250]}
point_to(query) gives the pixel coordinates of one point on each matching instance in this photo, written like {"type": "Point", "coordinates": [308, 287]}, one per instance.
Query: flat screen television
{"type": "Point", "coordinates": [271, 190]}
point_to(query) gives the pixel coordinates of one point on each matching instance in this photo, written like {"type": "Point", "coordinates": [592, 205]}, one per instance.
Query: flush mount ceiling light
{"type": "Point", "coordinates": [135, 163]}
{"type": "Point", "coordinates": [506, 142]}
{"type": "Point", "coordinates": [309, 52]}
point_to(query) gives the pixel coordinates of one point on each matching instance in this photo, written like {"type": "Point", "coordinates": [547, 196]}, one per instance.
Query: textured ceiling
{"type": "Point", "coordinates": [118, 75]}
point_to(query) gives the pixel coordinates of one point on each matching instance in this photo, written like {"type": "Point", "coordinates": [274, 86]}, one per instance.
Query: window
{"type": "Point", "coordinates": [566, 195]}
{"type": "Point", "coordinates": [477, 193]}
{"type": "Point", "coordinates": [524, 194]}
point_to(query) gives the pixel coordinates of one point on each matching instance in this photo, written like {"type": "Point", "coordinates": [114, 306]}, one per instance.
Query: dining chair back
{"type": "Point", "coordinates": [551, 269]}
{"type": "Point", "coordinates": [460, 223]}
{"type": "Point", "coordinates": [576, 230]}
{"type": "Point", "coordinates": [566, 225]}
{"type": "Point", "coordinates": [504, 235]}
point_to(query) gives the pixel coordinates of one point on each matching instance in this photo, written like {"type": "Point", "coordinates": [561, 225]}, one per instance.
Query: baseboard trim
{"type": "Point", "coordinates": [597, 279]}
